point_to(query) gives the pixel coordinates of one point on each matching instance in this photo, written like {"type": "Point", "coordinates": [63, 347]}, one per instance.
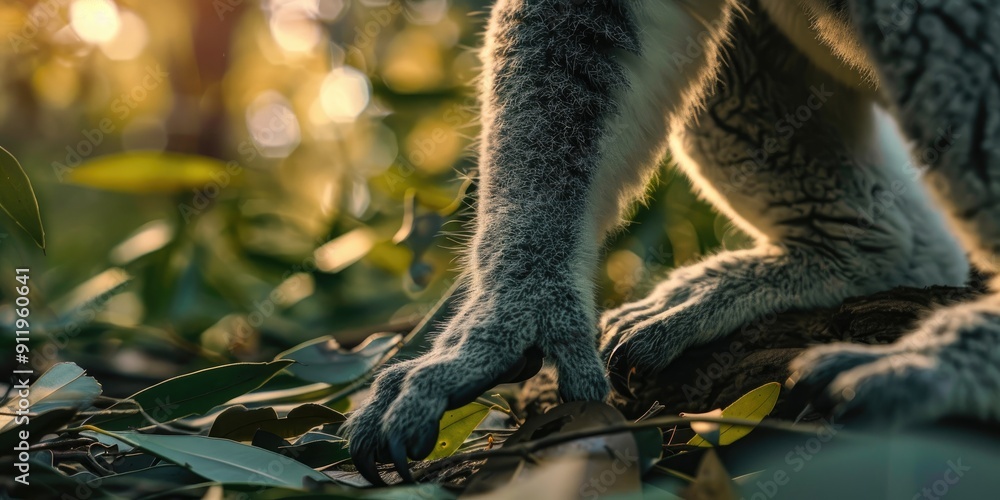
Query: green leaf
{"type": "Point", "coordinates": [225, 461]}
{"type": "Point", "coordinates": [754, 406]}
{"type": "Point", "coordinates": [290, 395]}
{"type": "Point", "coordinates": [456, 426]}
{"type": "Point", "coordinates": [17, 198]}
{"type": "Point", "coordinates": [151, 172]}
{"type": "Point", "coordinates": [239, 424]}
{"type": "Point", "coordinates": [64, 386]}
{"type": "Point", "coordinates": [318, 453]}
{"type": "Point", "coordinates": [39, 425]}
{"type": "Point", "coordinates": [322, 359]}
{"type": "Point", "coordinates": [190, 394]}
{"type": "Point", "coordinates": [151, 480]}
{"type": "Point", "coordinates": [650, 443]}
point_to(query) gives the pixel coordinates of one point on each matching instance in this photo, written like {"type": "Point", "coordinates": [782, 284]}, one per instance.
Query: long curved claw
{"type": "Point", "coordinates": [398, 452]}
{"type": "Point", "coordinates": [619, 371]}
{"type": "Point", "coordinates": [810, 391]}
{"type": "Point", "coordinates": [364, 461]}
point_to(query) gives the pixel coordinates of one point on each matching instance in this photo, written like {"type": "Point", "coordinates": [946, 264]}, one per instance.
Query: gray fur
{"type": "Point", "coordinates": [579, 98]}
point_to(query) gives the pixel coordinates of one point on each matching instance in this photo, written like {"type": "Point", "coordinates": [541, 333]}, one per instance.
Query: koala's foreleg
{"type": "Point", "coordinates": [577, 96]}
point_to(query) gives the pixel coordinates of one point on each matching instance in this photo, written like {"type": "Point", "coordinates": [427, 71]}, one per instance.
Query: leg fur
{"type": "Point", "coordinates": [800, 160]}
{"type": "Point", "coordinates": [562, 78]}
{"type": "Point", "coordinates": [940, 69]}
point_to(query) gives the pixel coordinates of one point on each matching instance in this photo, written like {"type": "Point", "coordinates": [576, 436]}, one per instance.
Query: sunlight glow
{"type": "Point", "coordinates": [96, 21]}
{"type": "Point", "coordinates": [341, 252]}
{"type": "Point", "coordinates": [130, 41]}
{"type": "Point", "coordinates": [345, 94]}
{"type": "Point", "coordinates": [294, 29]}
{"type": "Point", "coordinates": [273, 125]}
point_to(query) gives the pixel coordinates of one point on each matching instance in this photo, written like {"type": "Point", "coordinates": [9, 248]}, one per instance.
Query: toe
{"type": "Point", "coordinates": [816, 369]}
{"type": "Point", "coordinates": [896, 390]}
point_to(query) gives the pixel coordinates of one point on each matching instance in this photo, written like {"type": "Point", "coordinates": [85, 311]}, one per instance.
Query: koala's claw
{"type": "Point", "coordinates": [620, 371]}
{"type": "Point", "coordinates": [402, 418]}
{"type": "Point", "coordinates": [397, 450]}
{"type": "Point", "coordinates": [364, 460]}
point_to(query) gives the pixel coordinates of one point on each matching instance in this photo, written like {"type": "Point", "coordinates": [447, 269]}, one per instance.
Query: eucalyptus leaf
{"type": "Point", "coordinates": [17, 198]}
{"type": "Point", "coordinates": [240, 424]}
{"type": "Point", "coordinates": [322, 359]}
{"type": "Point", "coordinates": [152, 172]}
{"type": "Point", "coordinates": [225, 461]}
{"type": "Point", "coordinates": [64, 386]}
{"type": "Point", "coordinates": [318, 453]}
{"type": "Point", "coordinates": [456, 426]}
{"type": "Point", "coordinates": [190, 394]}
{"type": "Point", "coordinates": [754, 406]}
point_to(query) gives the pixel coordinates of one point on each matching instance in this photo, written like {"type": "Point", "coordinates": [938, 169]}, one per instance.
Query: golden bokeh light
{"type": "Point", "coordinates": [293, 27]}
{"type": "Point", "coordinates": [273, 125]}
{"type": "Point", "coordinates": [413, 62]}
{"type": "Point", "coordinates": [345, 94]}
{"type": "Point", "coordinates": [95, 21]}
{"type": "Point", "coordinates": [130, 41]}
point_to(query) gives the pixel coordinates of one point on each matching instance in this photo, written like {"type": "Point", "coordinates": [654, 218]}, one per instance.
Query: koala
{"type": "Point", "coordinates": [857, 141]}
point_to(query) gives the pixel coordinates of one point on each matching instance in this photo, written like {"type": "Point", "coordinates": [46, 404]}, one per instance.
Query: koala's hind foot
{"type": "Point", "coordinates": [703, 302]}
{"type": "Point", "coordinates": [924, 376]}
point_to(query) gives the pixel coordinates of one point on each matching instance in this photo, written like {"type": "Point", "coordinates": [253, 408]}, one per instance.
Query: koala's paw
{"type": "Point", "coordinates": [402, 416]}
{"type": "Point", "coordinates": [874, 388]}
{"type": "Point", "coordinates": [690, 308]}
{"type": "Point", "coordinates": [644, 340]}
{"type": "Point", "coordinates": [946, 368]}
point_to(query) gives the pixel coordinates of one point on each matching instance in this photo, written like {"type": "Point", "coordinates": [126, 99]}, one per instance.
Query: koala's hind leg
{"type": "Point", "coordinates": [940, 69]}
{"type": "Point", "coordinates": [804, 163]}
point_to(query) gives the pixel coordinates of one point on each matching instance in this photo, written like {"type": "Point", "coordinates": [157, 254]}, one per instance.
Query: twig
{"type": "Point", "coordinates": [527, 449]}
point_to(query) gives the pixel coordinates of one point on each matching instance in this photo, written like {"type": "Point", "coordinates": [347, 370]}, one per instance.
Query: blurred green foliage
{"type": "Point", "coordinates": [318, 153]}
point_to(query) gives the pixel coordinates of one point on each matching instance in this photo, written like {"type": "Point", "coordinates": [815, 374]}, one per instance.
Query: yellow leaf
{"type": "Point", "coordinates": [155, 172]}
{"type": "Point", "coordinates": [709, 431]}
{"type": "Point", "coordinates": [753, 406]}
{"type": "Point", "coordinates": [456, 426]}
